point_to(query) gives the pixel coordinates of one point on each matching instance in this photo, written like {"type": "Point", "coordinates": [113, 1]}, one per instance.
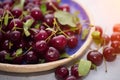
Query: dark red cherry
{"type": "Point", "coordinates": [71, 78]}
{"type": "Point", "coordinates": [59, 42]}
{"type": "Point", "coordinates": [41, 46]}
{"type": "Point", "coordinates": [50, 5]}
{"type": "Point", "coordinates": [109, 54]}
{"type": "Point", "coordinates": [3, 53]}
{"type": "Point", "coordinates": [116, 46]}
{"type": "Point", "coordinates": [15, 23]}
{"type": "Point", "coordinates": [74, 71]}
{"type": "Point", "coordinates": [31, 57]}
{"type": "Point", "coordinates": [61, 72]}
{"type": "Point", "coordinates": [41, 35]}
{"type": "Point", "coordinates": [15, 36]}
{"type": "Point", "coordinates": [1, 36]}
{"type": "Point", "coordinates": [95, 57]}
{"type": "Point", "coordinates": [52, 54]}
{"type": "Point", "coordinates": [36, 14]}
{"type": "Point", "coordinates": [17, 12]}
{"type": "Point", "coordinates": [49, 19]}
{"type": "Point", "coordinates": [72, 41]}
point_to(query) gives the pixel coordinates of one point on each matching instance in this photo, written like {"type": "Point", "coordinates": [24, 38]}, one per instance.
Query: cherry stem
{"type": "Point", "coordinates": [54, 6]}
{"type": "Point", "coordinates": [27, 50]}
{"type": "Point", "coordinates": [58, 27]}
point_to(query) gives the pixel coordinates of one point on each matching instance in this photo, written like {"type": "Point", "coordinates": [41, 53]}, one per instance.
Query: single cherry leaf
{"type": "Point", "coordinates": [84, 67]}
{"type": "Point", "coordinates": [19, 52]}
{"type": "Point", "coordinates": [8, 57]}
{"type": "Point", "coordinates": [85, 33]}
{"type": "Point", "coordinates": [6, 18]}
{"type": "Point", "coordinates": [26, 31]}
{"type": "Point", "coordinates": [37, 26]}
{"type": "Point", "coordinates": [19, 4]}
{"type": "Point", "coordinates": [27, 25]}
{"type": "Point", "coordinates": [43, 8]}
{"type": "Point", "coordinates": [65, 18]}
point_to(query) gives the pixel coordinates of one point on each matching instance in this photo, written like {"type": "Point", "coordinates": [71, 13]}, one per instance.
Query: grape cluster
{"type": "Point", "coordinates": [30, 33]}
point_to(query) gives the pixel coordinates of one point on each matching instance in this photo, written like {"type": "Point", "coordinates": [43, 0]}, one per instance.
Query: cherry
{"type": "Point", "coordinates": [41, 46]}
{"type": "Point", "coordinates": [52, 54]}
{"type": "Point", "coordinates": [1, 12]}
{"type": "Point", "coordinates": [3, 53]}
{"type": "Point", "coordinates": [7, 7]}
{"type": "Point", "coordinates": [72, 42]}
{"type": "Point", "coordinates": [7, 2]}
{"type": "Point", "coordinates": [115, 36]}
{"type": "Point", "coordinates": [106, 39]}
{"type": "Point", "coordinates": [17, 12]}
{"type": "Point", "coordinates": [50, 5]}
{"type": "Point", "coordinates": [71, 78]}
{"type": "Point", "coordinates": [108, 54]}
{"type": "Point", "coordinates": [17, 59]}
{"type": "Point", "coordinates": [15, 36]}
{"type": "Point", "coordinates": [15, 23]}
{"type": "Point", "coordinates": [116, 46]}
{"type": "Point", "coordinates": [41, 35]}
{"type": "Point", "coordinates": [59, 42]}
{"type": "Point", "coordinates": [61, 72]}
{"type": "Point", "coordinates": [31, 57]}
{"type": "Point", "coordinates": [29, 6]}
{"type": "Point", "coordinates": [36, 14]}
{"type": "Point", "coordinates": [1, 36]}
{"type": "Point", "coordinates": [116, 28]}
{"type": "Point", "coordinates": [95, 57]}
{"type": "Point", "coordinates": [98, 28]}
{"type": "Point", "coordinates": [6, 45]}
{"type": "Point", "coordinates": [49, 19]}
{"type": "Point", "coordinates": [65, 7]}
{"type": "Point", "coordinates": [74, 70]}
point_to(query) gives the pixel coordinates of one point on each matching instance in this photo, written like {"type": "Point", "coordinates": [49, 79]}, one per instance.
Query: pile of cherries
{"type": "Point", "coordinates": [110, 48]}
{"type": "Point", "coordinates": [44, 44]}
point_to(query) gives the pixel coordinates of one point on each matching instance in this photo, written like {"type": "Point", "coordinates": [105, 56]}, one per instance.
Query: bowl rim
{"type": "Point", "coordinates": [51, 65]}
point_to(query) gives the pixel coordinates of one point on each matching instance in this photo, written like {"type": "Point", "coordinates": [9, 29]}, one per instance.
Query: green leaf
{"type": "Point", "coordinates": [8, 57]}
{"type": "Point", "coordinates": [84, 67]}
{"type": "Point", "coordinates": [65, 18]}
{"type": "Point", "coordinates": [43, 8]}
{"type": "Point", "coordinates": [27, 25]}
{"type": "Point", "coordinates": [64, 55]}
{"type": "Point", "coordinates": [27, 33]}
{"type": "Point", "coordinates": [19, 4]}
{"type": "Point", "coordinates": [85, 32]}
{"type": "Point", "coordinates": [37, 26]}
{"type": "Point", "coordinates": [6, 18]}
{"type": "Point", "coordinates": [19, 52]}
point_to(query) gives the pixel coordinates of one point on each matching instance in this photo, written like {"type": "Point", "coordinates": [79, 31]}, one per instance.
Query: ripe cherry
{"type": "Point", "coordinates": [17, 12]}
{"type": "Point", "coordinates": [108, 54]}
{"type": "Point", "coordinates": [116, 28]}
{"type": "Point", "coordinates": [95, 57]}
{"type": "Point", "coordinates": [59, 42]}
{"type": "Point", "coordinates": [115, 36]}
{"type": "Point", "coordinates": [36, 14]}
{"type": "Point", "coordinates": [52, 54]}
{"type": "Point", "coordinates": [61, 72]}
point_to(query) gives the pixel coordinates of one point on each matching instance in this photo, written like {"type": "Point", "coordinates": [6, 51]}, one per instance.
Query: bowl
{"type": "Point", "coordinates": [74, 53]}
